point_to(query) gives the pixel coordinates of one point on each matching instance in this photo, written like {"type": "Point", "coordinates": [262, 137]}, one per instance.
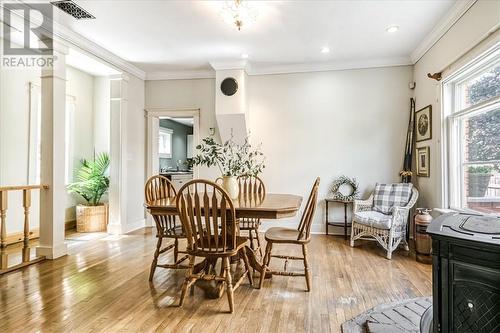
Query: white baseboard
{"type": "Point", "coordinates": [316, 228]}
{"type": "Point", "coordinates": [140, 223]}
{"type": "Point", "coordinates": [50, 252]}
{"type": "Point", "coordinates": [119, 229]}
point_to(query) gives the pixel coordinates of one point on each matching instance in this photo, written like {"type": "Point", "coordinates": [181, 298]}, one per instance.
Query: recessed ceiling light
{"type": "Point", "coordinates": [244, 56]}
{"type": "Point", "coordinates": [325, 49]}
{"type": "Point", "coordinates": [392, 28]}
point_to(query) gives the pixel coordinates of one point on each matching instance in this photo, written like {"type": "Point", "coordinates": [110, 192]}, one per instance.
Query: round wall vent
{"type": "Point", "coordinates": [229, 86]}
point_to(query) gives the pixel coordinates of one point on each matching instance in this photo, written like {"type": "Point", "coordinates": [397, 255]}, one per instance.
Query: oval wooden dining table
{"type": "Point", "coordinates": [272, 206]}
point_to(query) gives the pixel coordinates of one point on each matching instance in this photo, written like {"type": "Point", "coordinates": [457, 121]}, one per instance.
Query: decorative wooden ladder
{"type": "Point", "coordinates": [4, 255]}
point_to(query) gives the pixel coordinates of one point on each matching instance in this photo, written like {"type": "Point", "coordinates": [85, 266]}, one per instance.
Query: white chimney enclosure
{"type": "Point", "coordinates": [232, 111]}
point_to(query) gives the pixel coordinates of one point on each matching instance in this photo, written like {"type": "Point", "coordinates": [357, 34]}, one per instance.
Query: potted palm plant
{"type": "Point", "coordinates": [92, 183]}
{"type": "Point", "coordinates": [232, 159]}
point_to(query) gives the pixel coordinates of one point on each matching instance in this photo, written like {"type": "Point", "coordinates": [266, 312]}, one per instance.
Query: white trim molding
{"type": "Point", "coordinates": [181, 75]}
{"type": "Point", "coordinates": [252, 69]}
{"type": "Point", "coordinates": [444, 24]}
{"type": "Point", "coordinates": [329, 66]}
{"type": "Point", "coordinates": [89, 47]}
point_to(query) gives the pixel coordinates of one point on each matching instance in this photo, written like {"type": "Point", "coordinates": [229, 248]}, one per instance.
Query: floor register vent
{"type": "Point", "coordinates": [71, 8]}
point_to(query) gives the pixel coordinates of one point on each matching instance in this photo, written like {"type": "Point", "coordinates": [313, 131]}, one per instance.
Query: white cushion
{"type": "Point", "coordinates": [374, 219]}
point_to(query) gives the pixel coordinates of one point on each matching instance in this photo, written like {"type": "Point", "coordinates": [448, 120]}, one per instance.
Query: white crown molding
{"type": "Point", "coordinates": [444, 24]}
{"type": "Point", "coordinates": [181, 75]}
{"type": "Point", "coordinates": [253, 69]}
{"type": "Point", "coordinates": [97, 51]}
{"type": "Point", "coordinates": [330, 66]}
{"type": "Point", "coordinates": [224, 65]}
{"type": "Point", "coordinates": [86, 45]}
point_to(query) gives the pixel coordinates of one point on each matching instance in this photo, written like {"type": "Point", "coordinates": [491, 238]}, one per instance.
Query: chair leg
{"type": "Point", "coordinates": [258, 241]}
{"type": "Point", "coordinates": [155, 258]}
{"type": "Point", "coordinates": [229, 283]}
{"type": "Point", "coordinates": [247, 265]}
{"type": "Point", "coordinates": [352, 234]}
{"type": "Point", "coordinates": [306, 267]}
{"type": "Point", "coordinates": [250, 236]}
{"type": "Point", "coordinates": [265, 263]}
{"type": "Point", "coordinates": [188, 279]}
{"type": "Point", "coordinates": [389, 246]}
{"type": "Point", "coordinates": [176, 250]}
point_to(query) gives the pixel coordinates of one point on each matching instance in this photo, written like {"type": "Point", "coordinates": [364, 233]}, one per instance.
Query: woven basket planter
{"type": "Point", "coordinates": [91, 218]}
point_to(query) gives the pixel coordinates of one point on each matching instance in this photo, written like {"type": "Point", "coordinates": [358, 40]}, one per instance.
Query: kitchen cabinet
{"type": "Point", "coordinates": [179, 180]}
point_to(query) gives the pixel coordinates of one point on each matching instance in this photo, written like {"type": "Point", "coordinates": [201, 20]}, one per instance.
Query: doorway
{"type": "Point", "coordinates": [171, 138]}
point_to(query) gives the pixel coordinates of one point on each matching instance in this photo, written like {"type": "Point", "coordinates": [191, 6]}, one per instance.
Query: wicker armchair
{"type": "Point", "coordinates": [388, 230]}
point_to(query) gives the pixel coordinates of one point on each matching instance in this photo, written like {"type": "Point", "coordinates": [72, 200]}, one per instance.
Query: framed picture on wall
{"type": "Point", "coordinates": [423, 161]}
{"type": "Point", "coordinates": [423, 122]}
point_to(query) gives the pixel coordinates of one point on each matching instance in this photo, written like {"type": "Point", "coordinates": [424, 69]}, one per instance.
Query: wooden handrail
{"type": "Point", "coordinates": [24, 187]}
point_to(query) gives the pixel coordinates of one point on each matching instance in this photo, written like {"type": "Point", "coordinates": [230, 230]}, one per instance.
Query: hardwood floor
{"type": "Point", "coordinates": [102, 286]}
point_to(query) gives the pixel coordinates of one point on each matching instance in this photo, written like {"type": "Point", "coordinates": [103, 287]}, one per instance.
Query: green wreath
{"type": "Point", "coordinates": [344, 180]}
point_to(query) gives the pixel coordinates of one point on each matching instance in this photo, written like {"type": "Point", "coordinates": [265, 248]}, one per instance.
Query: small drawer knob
{"type": "Point", "coordinates": [470, 305]}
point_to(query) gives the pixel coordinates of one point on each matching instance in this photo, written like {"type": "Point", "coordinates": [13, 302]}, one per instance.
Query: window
{"type": "Point", "coordinates": [35, 138]}
{"type": "Point", "coordinates": [472, 110]}
{"type": "Point", "coordinates": [165, 143]}
{"type": "Point", "coordinates": [69, 133]}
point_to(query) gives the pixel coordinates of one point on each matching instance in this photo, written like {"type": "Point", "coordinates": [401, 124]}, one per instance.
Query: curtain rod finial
{"type": "Point", "coordinates": [435, 76]}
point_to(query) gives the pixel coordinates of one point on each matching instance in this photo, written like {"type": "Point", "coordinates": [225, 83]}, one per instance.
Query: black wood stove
{"type": "Point", "coordinates": [465, 274]}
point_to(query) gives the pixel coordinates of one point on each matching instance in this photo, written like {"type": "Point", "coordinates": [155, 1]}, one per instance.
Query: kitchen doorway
{"type": "Point", "coordinates": [172, 136]}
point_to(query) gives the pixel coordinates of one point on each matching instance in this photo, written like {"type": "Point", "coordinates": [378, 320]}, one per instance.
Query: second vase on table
{"type": "Point", "coordinates": [232, 159]}
{"type": "Point", "coordinates": [230, 184]}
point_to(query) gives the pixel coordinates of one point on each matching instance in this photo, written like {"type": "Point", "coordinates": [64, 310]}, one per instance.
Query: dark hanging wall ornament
{"type": "Point", "coordinates": [406, 173]}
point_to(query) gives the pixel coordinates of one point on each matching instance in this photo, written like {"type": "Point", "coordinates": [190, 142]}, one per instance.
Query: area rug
{"type": "Point", "coordinates": [397, 317]}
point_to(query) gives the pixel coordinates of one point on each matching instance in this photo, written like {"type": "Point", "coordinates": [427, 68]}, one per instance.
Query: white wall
{"type": "Point", "coordinates": [101, 114]}
{"type": "Point", "coordinates": [329, 124]}
{"type": "Point", "coordinates": [313, 124]}
{"type": "Point", "coordinates": [446, 55]}
{"type": "Point", "coordinates": [80, 85]}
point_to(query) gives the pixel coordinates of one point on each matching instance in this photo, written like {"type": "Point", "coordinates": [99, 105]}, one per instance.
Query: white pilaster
{"type": "Point", "coordinates": [152, 160]}
{"type": "Point", "coordinates": [52, 201]}
{"type": "Point", "coordinates": [118, 155]}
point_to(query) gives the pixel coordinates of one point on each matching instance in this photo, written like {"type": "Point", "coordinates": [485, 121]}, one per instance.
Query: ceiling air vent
{"type": "Point", "coordinates": [71, 8]}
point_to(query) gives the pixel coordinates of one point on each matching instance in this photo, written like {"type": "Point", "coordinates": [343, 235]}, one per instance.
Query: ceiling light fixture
{"type": "Point", "coordinates": [244, 56]}
{"type": "Point", "coordinates": [239, 13]}
{"type": "Point", "coordinates": [392, 28]}
{"type": "Point", "coordinates": [325, 49]}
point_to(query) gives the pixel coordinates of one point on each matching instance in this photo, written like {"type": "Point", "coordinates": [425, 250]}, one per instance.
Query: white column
{"type": "Point", "coordinates": [52, 201]}
{"type": "Point", "coordinates": [118, 155]}
{"type": "Point", "coordinates": [152, 160]}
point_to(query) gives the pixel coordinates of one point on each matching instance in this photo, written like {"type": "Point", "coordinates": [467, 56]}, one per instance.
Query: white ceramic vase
{"type": "Point", "coordinates": [230, 184]}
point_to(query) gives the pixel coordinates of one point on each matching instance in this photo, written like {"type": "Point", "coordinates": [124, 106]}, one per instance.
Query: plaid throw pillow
{"type": "Point", "coordinates": [387, 196]}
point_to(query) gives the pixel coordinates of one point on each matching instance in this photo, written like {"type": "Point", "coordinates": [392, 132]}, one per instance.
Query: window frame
{"type": "Point", "coordinates": [169, 132]}
{"type": "Point", "coordinates": [452, 116]}
{"type": "Point", "coordinates": [70, 108]}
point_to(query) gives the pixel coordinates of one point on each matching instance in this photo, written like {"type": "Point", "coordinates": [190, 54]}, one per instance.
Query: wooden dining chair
{"type": "Point", "coordinates": [251, 189]}
{"type": "Point", "coordinates": [209, 219]}
{"type": "Point", "coordinates": [300, 236]}
{"type": "Point", "coordinates": [167, 225]}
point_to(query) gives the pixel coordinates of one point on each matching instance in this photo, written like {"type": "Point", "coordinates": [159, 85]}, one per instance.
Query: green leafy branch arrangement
{"type": "Point", "coordinates": [92, 179]}
{"type": "Point", "coordinates": [231, 158]}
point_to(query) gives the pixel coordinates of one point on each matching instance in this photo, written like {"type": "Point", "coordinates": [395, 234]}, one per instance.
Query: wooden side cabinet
{"type": "Point", "coordinates": [336, 223]}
